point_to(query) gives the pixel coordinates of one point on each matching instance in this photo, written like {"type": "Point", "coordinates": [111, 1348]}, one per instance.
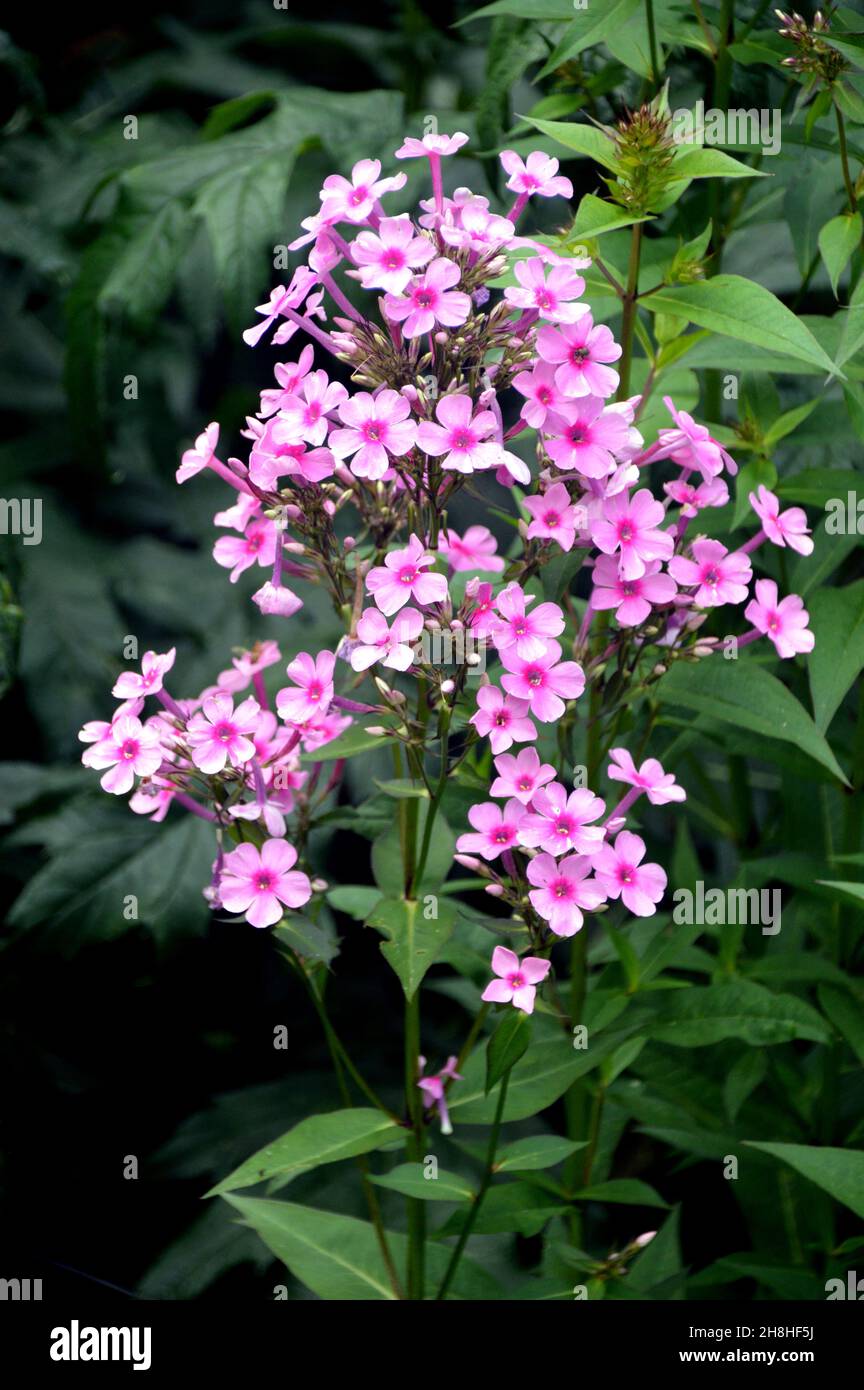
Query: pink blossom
{"type": "Point", "coordinates": [660, 787]}
{"type": "Point", "coordinates": [578, 351]}
{"type": "Point", "coordinates": [388, 255]}
{"type": "Point", "coordinates": [484, 615]}
{"type": "Point", "coordinates": [377, 426]}
{"type": "Point", "coordinates": [305, 414]}
{"type": "Point", "coordinates": [545, 681]}
{"type": "Point", "coordinates": [193, 460]}
{"type": "Point", "coordinates": [631, 598]}
{"type": "Point", "coordinates": [517, 980]}
{"type": "Point", "coordinates": [782, 528]}
{"type": "Point", "coordinates": [520, 776]}
{"type": "Point", "coordinates": [620, 873]}
{"type": "Point", "coordinates": [540, 392]}
{"type": "Point", "coordinates": [152, 798]}
{"type": "Point", "coordinates": [256, 546]}
{"type": "Point", "coordinates": [412, 148]}
{"type": "Point", "coordinates": [538, 174]}
{"type": "Point", "coordinates": [312, 688]}
{"type": "Point", "coordinates": [128, 748]}
{"type": "Point", "coordinates": [240, 514]}
{"type": "Point", "coordinates": [526, 633]}
{"type": "Point", "coordinates": [430, 300]}
{"type": "Point", "coordinates": [692, 499]}
{"type": "Point", "coordinates": [248, 664]}
{"type": "Point", "coordinates": [392, 646]}
{"type": "Point", "coordinates": [276, 600]}
{"type": "Point", "coordinates": [785, 623]}
{"type": "Point", "coordinates": [586, 437]}
{"type": "Point", "coordinates": [630, 527]}
{"type": "Point", "coordinates": [460, 435]}
{"type": "Point", "coordinates": [470, 225]}
{"type": "Point", "coordinates": [473, 551]}
{"type": "Point", "coordinates": [718, 576]}
{"type": "Point", "coordinates": [403, 577]}
{"type": "Point", "coordinates": [504, 720]}
{"type": "Point", "coordinates": [289, 376]}
{"type": "Point", "coordinates": [561, 889]}
{"type": "Point", "coordinates": [692, 445]}
{"type": "Point", "coordinates": [555, 518]}
{"type": "Point", "coordinates": [551, 295]}
{"type": "Point", "coordinates": [281, 298]}
{"type": "Point", "coordinates": [497, 830]}
{"type": "Point", "coordinates": [278, 451]}
{"type": "Point", "coordinates": [257, 883]}
{"type": "Point", "coordinates": [434, 1092]}
{"type": "Point", "coordinates": [219, 734]}
{"type": "Point", "coordinates": [559, 823]}
{"type": "Point", "coordinates": [354, 199]}
{"type": "Point", "coordinates": [129, 685]}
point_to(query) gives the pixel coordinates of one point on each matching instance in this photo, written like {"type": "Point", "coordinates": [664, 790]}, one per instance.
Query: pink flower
{"type": "Point", "coordinates": [412, 148]}
{"type": "Point", "coordinates": [561, 889]}
{"type": "Point", "coordinates": [474, 551]}
{"type": "Point", "coordinates": [483, 616]}
{"type": "Point", "coordinates": [537, 175]}
{"type": "Point", "coordinates": [220, 734]}
{"type": "Point", "coordinates": [193, 460]}
{"type": "Point", "coordinates": [527, 634]}
{"type": "Point", "coordinates": [587, 437]}
{"type": "Point", "coordinates": [555, 516]}
{"type": "Point", "coordinates": [549, 295]}
{"type": "Point", "coordinates": [352, 200]}
{"type": "Point", "coordinates": [504, 720]}
{"type": "Point", "coordinates": [540, 392]}
{"type": "Point", "coordinates": [276, 600]}
{"type": "Point", "coordinates": [256, 545]}
{"type": "Point", "coordinates": [259, 883]}
{"type": "Point", "coordinates": [460, 435]}
{"type": "Point", "coordinates": [543, 682]}
{"type": "Point", "coordinates": [630, 526]}
{"type": "Point", "coordinates": [247, 665]}
{"type": "Point", "coordinates": [718, 576]}
{"type": "Point", "coordinates": [784, 622]}
{"type": "Point", "coordinates": [692, 446]}
{"type": "Point", "coordinates": [152, 798]}
{"type": "Point", "coordinates": [430, 300]}
{"type": "Point", "coordinates": [391, 646]}
{"type": "Point", "coordinates": [388, 255]}
{"type": "Point", "coordinates": [578, 352]}
{"type": "Point", "coordinates": [281, 298]}
{"type": "Point", "coordinates": [312, 691]}
{"type": "Point", "coordinates": [130, 686]}
{"type": "Point", "coordinates": [782, 528]}
{"type": "Point", "coordinates": [434, 1093]}
{"type": "Point", "coordinates": [496, 829]}
{"type": "Point", "coordinates": [692, 499]}
{"type": "Point", "coordinates": [632, 598]}
{"type": "Point", "coordinates": [278, 451]}
{"type": "Point", "coordinates": [470, 225]}
{"type": "Point", "coordinates": [660, 787]}
{"type": "Point", "coordinates": [377, 427]}
{"type": "Point", "coordinates": [520, 776]}
{"type": "Point", "coordinates": [517, 980]}
{"type": "Point", "coordinates": [559, 823]}
{"type": "Point", "coordinates": [403, 577]}
{"type": "Point", "coordinates": [289, 376]}
{"type": "Point", "coordinates": [620, 873]}
{"type": "Point", "coordinates": [305, 414]}
{"type": "Point", "coordinates": [128, 748]}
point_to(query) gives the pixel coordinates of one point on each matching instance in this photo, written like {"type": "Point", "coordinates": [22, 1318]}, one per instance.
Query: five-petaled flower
{"type": "Point", "coordinates": [517, 979]}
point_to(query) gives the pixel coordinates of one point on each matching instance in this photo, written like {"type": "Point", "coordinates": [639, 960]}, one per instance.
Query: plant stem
{"type": "Point", "coordinates": [435, 803]}
{"type": "Point", "coordinates": [652, 42]}
{"type": "Point", "coordinates": [414, 1147]}
{"type": "Point", "coordinates": [720, 100]}
{"type": "Point", "coordinates": [628, 316]}
{"type": "Point", "coordinates": [844, 159]}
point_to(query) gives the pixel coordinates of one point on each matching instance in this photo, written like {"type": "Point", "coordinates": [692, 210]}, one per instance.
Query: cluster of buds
{"type": "Point", "coordinates": [814, 56]}
{"type": "Point", "coordinates": [644, 151]}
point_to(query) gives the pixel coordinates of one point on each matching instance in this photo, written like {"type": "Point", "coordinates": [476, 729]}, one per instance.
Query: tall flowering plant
{"type": "Point", "coordinates": [516, 687]}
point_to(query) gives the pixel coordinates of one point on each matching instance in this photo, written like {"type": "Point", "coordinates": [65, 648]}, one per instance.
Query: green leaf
{"type": "Point", "coordinates": [589, 27]}
{"type": "Point", "coordinates": [839, 1172]}
{"type": "Point", "coordinates": [541, 1151]}
{"type": "Point", "coordinates": [411, 1181]}
{"type": "Point", "coordinates": [357, 900]}
{"type": "Point", "coordinates": [845, 1013]}
{"type": "Point", "coordinates": [702, 1016]}
{"type": "Point", "coordinates": [788, 422]}
{"type": "Point", "coordinates": [514, 1206]}
{"type": "Point", "coordinates": [830, 550]}
{"type": "Point", "coordinates": [507, 1044]}
{"type": "Point", "coordinates": [402, 789]}
{"type": "Point", "coordinates": [741, 309]}
{"type": "Point", "coordinates": [837, 619]}
{"type": "Point", "coordinates": [704, 163]}
{"type": "Point", "coordinates": [838, 239]}
{"type": "Point", "coordinates": [317, 1140]}
{"type": "Point", "coordinates": [414, 941]}
{"type": "Point", "coordinates": [387, 855]}
{"type": "Point", "coordinates": [309, 940]}
{"type": "Point", "coordinates": [354, 740]}
{"type": "Point", "coordinates": [741, 1080]}
{"type": "Point", "coordinates": [628, 1191]}
{"type": "Point", "coordinates": [594, 216]}
{"type": "Point", "coordinates": [586, 140]}
{"type": "Point", "coordinates": [852, 893]}
{"type": "Point", "coordinates": [744, 695]}
{"type": "Point", "coordinates": [537, 1080]}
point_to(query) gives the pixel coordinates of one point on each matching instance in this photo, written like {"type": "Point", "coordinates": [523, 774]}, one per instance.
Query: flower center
{"type": "Point", "coordinates": [626, 874]}
{"type": "Point", "coordinates": [561, 888]}
{"type": "Point", "coordinates": [534, 677]}
{"type": "Point", "coordinates": [424, 299]}
{"type": "Point", "coordinates": [551, 519]}
{"type": "Point", "coordinates": [516, 980]}
{"type": "Point", "coordinates": [224, 732]}
{"type": "Point", "coordinates": [407, 576]}
{"type": "Point", "coordinates": [578, 355]}
{"type": "Point", "coordinates": [129, 749]}
{"type": "Point", "coordinates": [576, 434]}
{"type": "Point", "coordinates": [358, 196]}
{"type": "Point", "coordinates": [394, 260]}
{"type": "Point", "coordinates": [625, 531]}
{"type": "Point", "coordinates": [462, 439]}
{"type": "Point", "coordinates": [711, 577]}
{"type": "Point", "coordinates": [264, 882]}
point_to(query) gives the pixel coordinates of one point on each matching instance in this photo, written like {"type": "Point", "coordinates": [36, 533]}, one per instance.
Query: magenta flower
{"type": "Point", "coordinates": [219, 734]}
{"type": "Point", "coordinates": [497, 829]}
{"type": "Point", "coordinates": [354, 199]}
{"type": "Point", "coordinates": [692, 499]}
{"type": "Point", "coordinates": [587, 437]}
{"type": "Point", "coordinates": [305, 414]}
{"type": "Point", "coordinates": [692, 445]}
{"type": "Point", "coordinates": [620, 873]}
{"type": "Point", "coordinates": [785, 623]}
{"type": "Point", "coordinates": [257, 545]}
{"type": "Point", "coordinates": [403, 577]}
{"type": "Point", "coordinates": [551, 295]}
{"type": "Point", "coordinates": [412, 148]}
{"type": "Point", "coordinates": [660, 787]}
{"type": "Point", "coordinates": [544, 682]}
{"type": "Point", "coordinates": [460, 435]}
{"type": "Point", "coordinates": [434, 1092]}
{"type": "Point", "coordinates": [631, 598]}
{"type": "Point", "coordinates": [537, 175]}
{"type": "Point", "coordinates": [392, 646]}
{"type": "Point", "coordinates": [278, 451]}
{"type": "Point", "coordinates": [578, 353]}
{"type": "Point", "coordinates": [312, 688]}
{"type": "Point", "coordinates": [377, 426]}
{"type": "Point", "coordinates": [718, 576]}
{"type": "Point", "coordinates": [152, 798]}
{"type": "Point", "coordinates": [193, 460]}
{"type": "Point", "coordinates": [276, 600]}
{"type": "Point", "coordinates": [388, 255]}
{"type": "Point", "coordinates": [130, 686]}
{"type": "Point", "coordinates": [282, 297]}
{"type": "Point", "coordinates": [561, 889]}
{"type": "Point", "coordinates": [520, 776]}
{"type": "Point", "coordinates": [258, 884]}
{"type": "Point", "coordinates": [430, 301]}
{"type": "Point", "coordinates": [471, 226]}
{"type": "Point", "coordinates": [782, 528]}
{"type": "Point", "coordinates": [517, 980]}
{"type": "Point", "coordinates": [503, 720]}
{"type": "Point", "coordinates": [473, 551]}
{"type": "Point", "coordinates": [555, 517]}
{"type": "Point", "coordinates": [540, 392]}
{"type": "Point", "coordinates": [289, 376]}
{"type": "Point", "coordinates": [128, 749]}
{"type": "Point", "coordinates": [525, 633]}
{"type": "Point", "coordinates": [630, 526]}
{"type": "Point", "coordinates": [483, 615]}
{"type": "Point", "coordinates": [559, 823]}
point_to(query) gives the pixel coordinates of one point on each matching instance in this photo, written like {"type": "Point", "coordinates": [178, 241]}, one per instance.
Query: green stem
{"type": "Point", "coordinates": [628, 317]}
{"type": "Point", "coordinates": [414, 1147]}
{"type": "Point", "coordinates": [593, 1133]}
{"type": "Point", "coordinates": [720, 101]}
{"type": "Point", "coordinates": [652, 42]}
{"type": "Point", "coordinates": [844, 159]}
{"type": "Point", "coordinates": [435, 803]}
